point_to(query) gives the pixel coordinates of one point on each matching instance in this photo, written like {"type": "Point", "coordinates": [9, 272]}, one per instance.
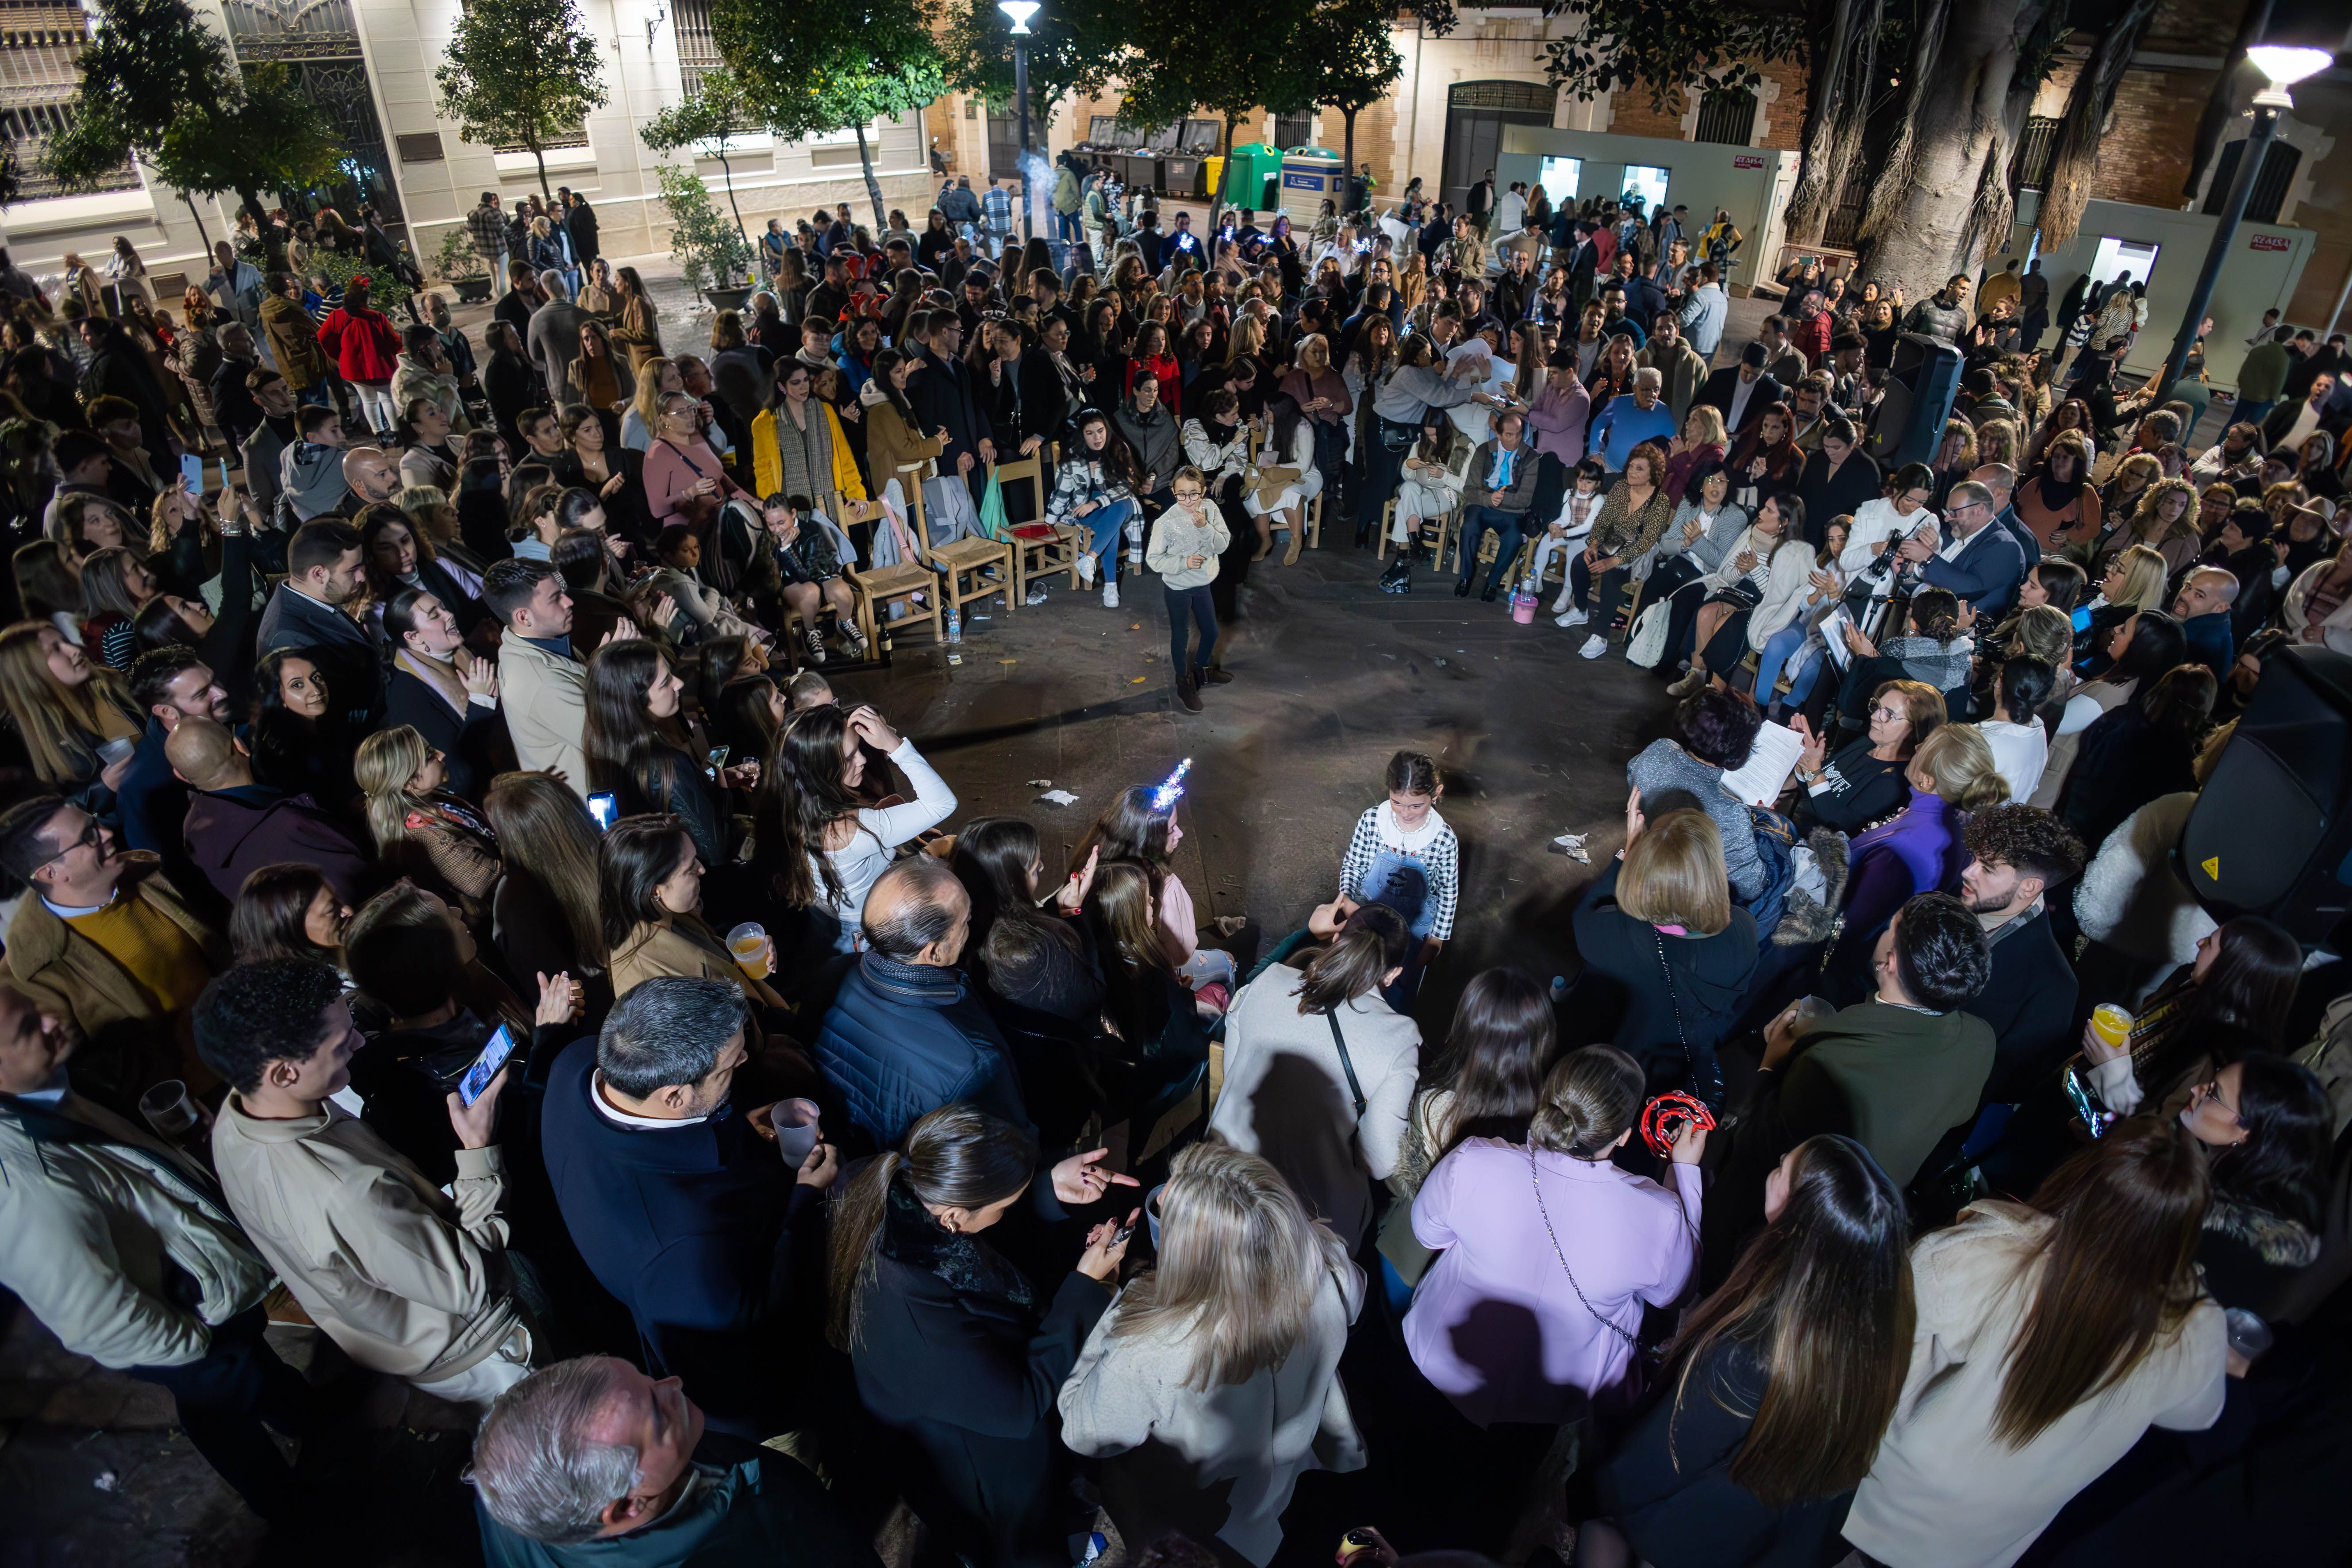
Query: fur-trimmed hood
{"type": "Point", "coordinates": [2278, 1241]}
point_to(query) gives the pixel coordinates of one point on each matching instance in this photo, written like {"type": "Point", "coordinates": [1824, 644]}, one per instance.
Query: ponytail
{"type": "Point", "coordinates": [855, 1221]}
{"type": "Point", "coordinates": [1373, 942]}
{"type": "Point", "coordinates": [1588, 1102]}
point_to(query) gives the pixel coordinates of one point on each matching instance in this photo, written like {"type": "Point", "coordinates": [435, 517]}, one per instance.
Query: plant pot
{"type": "Point", "coordinates": [473, 290]}
{"type": "Point", "coordinates": [730, 298]}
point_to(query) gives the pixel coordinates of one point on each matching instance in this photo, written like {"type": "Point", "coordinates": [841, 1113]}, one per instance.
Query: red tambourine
{"type": "Point", "coordinates": [1663, 1117]}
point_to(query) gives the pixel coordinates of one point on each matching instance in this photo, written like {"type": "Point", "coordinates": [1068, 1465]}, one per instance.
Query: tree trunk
{"type": "Point", "coordinates": [873, 185]}
{"type": "Point", "coordinates": [541, 159]}
{"type": "Point", "coordinates": [726, 173]}
{"type": "Point", "coordinates": [1943, 197]}
{"type": "Point", "coordinates": [2067, 190]}
{"type": "Point", "coordinates": [273, 253]}
{"type": "Point", "coordinates": [1348, 154]}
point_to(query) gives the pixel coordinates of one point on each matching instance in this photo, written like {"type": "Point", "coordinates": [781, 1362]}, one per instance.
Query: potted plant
{"type": "Point", "coordinates": [711, 252]}
{"type": "Point", "coordinates": [461, 267]}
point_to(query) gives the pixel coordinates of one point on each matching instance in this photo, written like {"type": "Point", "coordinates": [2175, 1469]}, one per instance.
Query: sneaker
{"type": "Point", "coordinates": [814, 642]}
{"type": "Point", "coordinates": [1595, 646]}
{"type": "Point", "coordinates": [1036, 596]}
{"type": "Point", "coordinates": [856, 644]}
{"type": "Point", "coordinates": [1086, 570]}
{"type": "Point", "coordinates": [1110, 595]}
{"type": "Point", "coordinates": [1573, 618]}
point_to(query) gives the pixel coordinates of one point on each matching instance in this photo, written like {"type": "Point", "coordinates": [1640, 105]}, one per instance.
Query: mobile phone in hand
{"type": "Point", "coordinates": [605, 807]}
{"type": "Point", "coordinates": [486, 1066]}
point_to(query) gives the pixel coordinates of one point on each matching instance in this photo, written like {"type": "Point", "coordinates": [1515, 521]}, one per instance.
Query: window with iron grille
{"type": "Point", "coordinates": [697, 51]}
{"type": "Point", "coordinates": [1294, 130]}
{"type": "Point", "coordinates": [2269, 194]}
{"type": "Point", "coordinates": [1529, 97]}
{"type": "Point", "coordinates": [1727, 114]}
{"type": "Point", "coordinates": [2035, 151]}
{"type": "Point", "coordinates": [41, 49]}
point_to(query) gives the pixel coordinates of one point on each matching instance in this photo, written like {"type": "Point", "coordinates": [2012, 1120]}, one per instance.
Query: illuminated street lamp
{"type": "Point", "coordinates": [1019, 12]}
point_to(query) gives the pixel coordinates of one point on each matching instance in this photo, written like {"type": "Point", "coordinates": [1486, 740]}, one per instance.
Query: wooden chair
{"type": "Point", "coordinates": [878, 587]}
{"type": "Point", "coordinates": [967, 570]}
{"type": "Point", "coordinates": [1045, 556]}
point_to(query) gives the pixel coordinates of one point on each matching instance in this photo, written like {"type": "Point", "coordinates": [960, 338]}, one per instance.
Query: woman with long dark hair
{"type": "Point", "coordinates": [817, 844]}
{"type": "Point", "coordinates": [2137, 751]}
{"type": "Point", "coordinates": [649, 886]}
{"type": "Point", "coordinates": [1321, 1072]}
{"type": "Point", "coordinates": [1159, 1033]}
{"type": "Point", "coordinates": [950, 1344]}
{"type": "Point", "coordinates": [2051, 1334]}
{"type": "Point", "coordinates": [1098, 486]}
{"type": "Point", "coordinates": [1778, 1386]}
{"type": "Point", "coordinates": [2241, 980]}
{"type": "Point", "coordinates": [544, 918]}
{"type": "Point", "coordinates": [2143, 647]}
{"type": "Point", "coordinates": [633, 694]}
{"type": "Point", "coordinates": [292, 747]}
{"type": "Point", "coordinates": [289, 911]}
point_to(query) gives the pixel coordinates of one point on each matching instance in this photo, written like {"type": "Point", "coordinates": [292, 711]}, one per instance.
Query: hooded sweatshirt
{"type": "Point", "coordinates": [312, 477]}
{"type": "Point", "coordinates": [1158, 443]}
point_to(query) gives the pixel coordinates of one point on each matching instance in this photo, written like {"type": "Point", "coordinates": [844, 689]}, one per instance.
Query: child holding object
{"type": "Point", "coordinates": [1186, 541]}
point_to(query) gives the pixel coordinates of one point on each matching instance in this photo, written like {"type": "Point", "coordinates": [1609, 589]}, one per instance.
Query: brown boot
{"type": "Point", "coordinates": [1188, 694]}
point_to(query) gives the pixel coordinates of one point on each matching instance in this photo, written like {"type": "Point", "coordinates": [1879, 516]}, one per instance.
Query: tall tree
{"type": "Point", "coordinates": [520, 73]}
{"type": "Point", "coordinates": [1929, 96]}
{"type": "Point", "coordinates": [717, 113]}
{"type": "Point", "coordinates": [159, 85]}
{"type": "Point", "coordinates": [1200, 53]}
{"type": "Point", "coordinates": [1076, 48]}
{"type": "Point", "coordinates": [823, 65]}
{"type": "Point", "coordinates": [1355, 62]}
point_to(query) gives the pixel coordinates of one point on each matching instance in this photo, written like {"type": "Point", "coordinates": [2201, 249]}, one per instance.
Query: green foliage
{"type": "Point", "coordinates": [1077, 47]}
{"type": "Point", "coordinates": [710, 251]}
{"type": "Point", "coordinates": [386, 292]}
{"type": "Point", "coordinates": [717, 112]}
{"type": "Point", "coordinates": [520, 73]}
{"type": "Point", "coordinates": [158, 85]}
{"type": "Point", "coordinates": [1355, 62]}
{"type": "Point", "coordinates": [1200, 52]}
{"type": "Point", "coordinates": [12, 174]}
{"type": "Point", "coordinates": [456, 257]}
{"type": "Point", "coordinates": [1656, 45]}
{"type": "Point", "coordinates": [811, 68]}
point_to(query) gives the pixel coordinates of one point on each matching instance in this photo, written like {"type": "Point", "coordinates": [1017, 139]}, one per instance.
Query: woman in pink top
{"type": "Point", "coordinates": [685, 480]}
{"type": "Point", "coordinates": [1547, 1253]}
{"type": "Point", "coordinates": [1137, 828]}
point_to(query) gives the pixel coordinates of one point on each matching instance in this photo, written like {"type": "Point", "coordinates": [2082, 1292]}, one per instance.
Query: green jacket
{"type": "Point", "coordinates": [2262, 375]}
{"type": "Point", "coordinates": [1890, 1079]}
{"type": "Point", "coordinates": [766, 1512]}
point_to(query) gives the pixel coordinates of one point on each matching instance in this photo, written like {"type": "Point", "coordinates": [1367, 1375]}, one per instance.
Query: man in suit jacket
{"type": "Point", "coordinates": [543, 689]}
{"type": "Point", "coordinates": [1784, 362]}
{"type": "Point", "coordinates": [945, 397]}
{"type": "Point", "coordinates": [1980, 561]}
{"type": "Point", "coordinates": [264, 450]}
{"type": "Point", "coordinates": [306, 613]}
{"type": "Point", "coordinates": [1741, 393]}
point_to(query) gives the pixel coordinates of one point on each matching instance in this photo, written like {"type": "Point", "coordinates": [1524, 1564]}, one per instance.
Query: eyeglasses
{"type": "Point", "coordinates": [1892, 715]}
{"type": "Point", "coordinates": [89, 840]}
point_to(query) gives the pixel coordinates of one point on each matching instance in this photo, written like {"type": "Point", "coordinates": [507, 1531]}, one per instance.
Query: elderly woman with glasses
{"type": "Point", "coordinates": [685, 482]}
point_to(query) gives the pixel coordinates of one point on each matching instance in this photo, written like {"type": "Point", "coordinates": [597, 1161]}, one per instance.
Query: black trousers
{"type": "Point", "coordinates": [1581, 588]}
{"type": "Point", "coordinates": [1189, 608]}
{"type": "Point", "coordinates": [226, 1396]}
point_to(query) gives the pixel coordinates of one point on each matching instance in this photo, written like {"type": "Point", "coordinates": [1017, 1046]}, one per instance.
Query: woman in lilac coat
{"type": "Point", "coordinates": [1547, 1252]}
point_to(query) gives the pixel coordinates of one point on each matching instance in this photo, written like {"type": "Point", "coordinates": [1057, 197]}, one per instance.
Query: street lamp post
{"type": "Point", "coordinates": [2283, 65]}
{"type": "Point", "coordinates": [1020, 11]}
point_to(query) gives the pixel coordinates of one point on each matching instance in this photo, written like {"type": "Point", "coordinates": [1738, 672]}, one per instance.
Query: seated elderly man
{"type": "Point", "coordinates": [590, 1461]}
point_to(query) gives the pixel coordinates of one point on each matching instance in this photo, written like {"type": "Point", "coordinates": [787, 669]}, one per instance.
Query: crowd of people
{"type": "Point", "coordinates": [448, 884]}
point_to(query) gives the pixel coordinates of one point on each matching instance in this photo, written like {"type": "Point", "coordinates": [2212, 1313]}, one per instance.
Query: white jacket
{"type": "Point", "coordinates": [1785, 585]}
{"type": "Point", "coordinates": [93, 1208]}
{"type": "Point", "coordinates": [1875, 522]}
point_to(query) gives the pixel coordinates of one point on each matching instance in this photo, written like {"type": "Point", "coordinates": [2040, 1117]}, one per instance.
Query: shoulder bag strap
{"type": "Point", "coordinates": [1355, 1088]}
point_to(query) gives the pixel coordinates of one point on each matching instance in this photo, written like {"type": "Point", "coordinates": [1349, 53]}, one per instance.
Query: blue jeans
{"type": "Point", "coordinates": [2251, 414]}
{"type": "Point", "coordinates": [1195, 603]}
{"type": "Point", "coordinates": [1777, 649]}
{"type": "Point", "coordinates": [1109, 525]}
{"type": "Point", "coordinates": [1067, 227]}
{"type": "Point", "coordinates": [1401, 882]}
{"type": "Point", "coordinates": [1475, 521]}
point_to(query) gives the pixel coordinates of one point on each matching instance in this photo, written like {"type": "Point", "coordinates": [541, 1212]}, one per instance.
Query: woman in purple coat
{"type": "Point", "coordinates": [1547, 1252]}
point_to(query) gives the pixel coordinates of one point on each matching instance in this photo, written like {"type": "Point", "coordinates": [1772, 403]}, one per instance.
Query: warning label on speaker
{"type": "Point", "coordinates": [2213, 869]}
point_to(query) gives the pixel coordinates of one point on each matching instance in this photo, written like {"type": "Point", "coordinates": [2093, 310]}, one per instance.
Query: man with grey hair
{"type": "Point", "coordinates": [2001, 481]}
{"type": "Point", "coordinates": [1978, 563]}
{"type": "Point", "coordinates": [554, 338]}
{"type": "Point", "coordinates": [593, 1449]}
{"type": "Point", "coordinates": [678, 1199]}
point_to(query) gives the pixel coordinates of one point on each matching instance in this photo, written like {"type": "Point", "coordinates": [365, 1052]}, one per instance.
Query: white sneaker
{"type": "Point", "coordinates": [1110, 595]}
{"type": "Point", "coordinates": [1572, 618]}
{"type": "Point", "coordinates": [1036, 596]}
{"type": "Point", "coordinates": [1595, 646]}
{"type": "Point", "coordinates": [1086, 570]}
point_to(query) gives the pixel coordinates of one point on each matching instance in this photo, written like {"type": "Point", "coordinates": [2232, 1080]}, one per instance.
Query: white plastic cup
{"type": "Point", "coordinates": [747, 944]}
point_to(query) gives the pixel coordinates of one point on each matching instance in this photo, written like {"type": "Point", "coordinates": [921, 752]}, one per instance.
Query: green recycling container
{"type": "Point", "coordinates": [1250, 169]}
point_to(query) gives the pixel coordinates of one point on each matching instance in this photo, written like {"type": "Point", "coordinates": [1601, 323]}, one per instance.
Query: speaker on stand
{"type": "Point", "coordinates": [1908, 420]}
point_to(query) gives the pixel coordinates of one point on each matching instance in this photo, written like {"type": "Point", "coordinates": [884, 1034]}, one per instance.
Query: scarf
{"type": "Point", "coordinates": [969, 1265]}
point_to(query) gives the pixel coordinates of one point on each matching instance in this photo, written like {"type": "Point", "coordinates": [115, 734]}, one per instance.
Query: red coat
{"type": "Point", "coordinates": [362, 343]}
{"type": "Point", "coordinates": [1812, 338]}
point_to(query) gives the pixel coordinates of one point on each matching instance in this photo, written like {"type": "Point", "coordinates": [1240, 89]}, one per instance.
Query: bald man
{"type": "Point", "coordinates": [372, 476]}
{"type": "Point", "coordinates": [2203, 608]}
{"type": "Point", "coordinates": [236, 826]}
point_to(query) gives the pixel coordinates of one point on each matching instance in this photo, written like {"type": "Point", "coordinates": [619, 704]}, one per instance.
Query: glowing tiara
{"type": "Point", "coordinates": [1165, 797]}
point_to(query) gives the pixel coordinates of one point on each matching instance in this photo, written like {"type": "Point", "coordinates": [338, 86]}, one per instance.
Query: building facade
{"type": "Point", "coordinates": [369, 64]}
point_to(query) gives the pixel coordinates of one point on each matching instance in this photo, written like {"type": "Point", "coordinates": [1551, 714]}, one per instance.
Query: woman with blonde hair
{"type": "Point", "coordinates": [2132, 580]}
{"type": "Point", "coordinates": [1213, 1382]}
{"type": "Point", "coordinates": [1549, 1252]}
{"type": "Point", "coordinates": [2165, 521]}
{"type": "Point", "coordinates": [422, 830]}
{"type": "Point", "coordinates": [74, 718]}
{"type": "Point", "coordinates": [1667, 955]}
{"type": "Point", "coordinates": [1248, 339]}
{"type": "Point", "coordinates": [1921, 847]}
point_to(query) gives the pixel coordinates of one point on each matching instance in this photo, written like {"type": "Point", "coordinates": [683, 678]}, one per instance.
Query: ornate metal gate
{"type": "Point", "coordinates": [320, 40]}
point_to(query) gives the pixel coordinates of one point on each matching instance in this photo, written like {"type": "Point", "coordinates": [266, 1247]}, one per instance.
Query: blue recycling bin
{"type": "Point", "coordinates": [1311, 176]}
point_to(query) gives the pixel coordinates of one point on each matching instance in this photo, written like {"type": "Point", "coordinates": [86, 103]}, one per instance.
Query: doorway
{"type": "Point", "coordinates": [2115, 256]}
{"type": "Point", "coordinates": [1558, 178]}
{"type": "Point", "coordinates": [1475, 114]}
{"type": "Point", "coordinates": [1647, 182]}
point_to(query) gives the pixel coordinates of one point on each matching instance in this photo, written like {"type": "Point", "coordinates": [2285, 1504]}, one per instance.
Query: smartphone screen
{"type": "Point", "coordinates": [605, 807]}
{"type": "Point", "coordinates": [224, 468]}
{"type": "Point", "coordinates": [718, 756]}
{"type": "Point", "coordinates": [192, 473]}
{"type": "Point", "coordinates": [486, 1066]}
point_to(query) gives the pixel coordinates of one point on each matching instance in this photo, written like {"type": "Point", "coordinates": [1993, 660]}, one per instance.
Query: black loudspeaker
{"type": "Point", "coordinates": [1909, 418]}
{"type": "Point", "coordinates": [2272, 830]}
